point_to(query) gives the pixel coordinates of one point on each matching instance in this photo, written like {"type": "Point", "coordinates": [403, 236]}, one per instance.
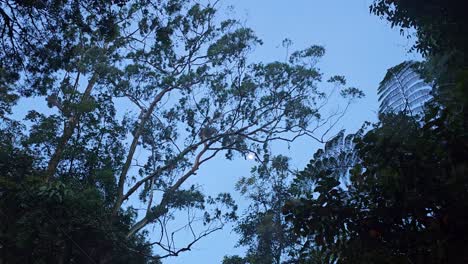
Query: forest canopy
{"type": "Point", "coordinates": [124, 102]}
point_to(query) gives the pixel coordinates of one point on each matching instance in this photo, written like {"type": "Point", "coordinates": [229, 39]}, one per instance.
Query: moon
{"type": "Point", "coordinates": [250, 156]}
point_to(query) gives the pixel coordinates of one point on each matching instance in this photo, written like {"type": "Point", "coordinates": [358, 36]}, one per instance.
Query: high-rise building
{"type": "Point", "coordinates": [403, 89]}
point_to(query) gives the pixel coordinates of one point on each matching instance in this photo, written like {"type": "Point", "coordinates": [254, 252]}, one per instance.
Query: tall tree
{"type": "Point", "coordinates": [440, 25]}
{"type": "Point", "coordinates": [442, 37]}
{"type": "Point", "coordinates": [406, 201]}
{"type": "Point", "coordinates": [141, 94]}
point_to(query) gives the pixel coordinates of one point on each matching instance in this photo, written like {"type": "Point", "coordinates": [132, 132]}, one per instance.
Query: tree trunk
{"type": "Point", "coordinates": [68, 133]}
{"type": "Point", "coordinates": [123, 175]}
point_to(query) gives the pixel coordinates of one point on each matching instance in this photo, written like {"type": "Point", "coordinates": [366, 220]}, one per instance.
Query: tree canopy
{"type": "Point", "coordinates": [405, 201]}
{"type": "Point", "coordinates": [440, 25]}
{"type": "Point", "coordinates": [125, 101]}
{"type": "Point", "coordinates": [263, 229]}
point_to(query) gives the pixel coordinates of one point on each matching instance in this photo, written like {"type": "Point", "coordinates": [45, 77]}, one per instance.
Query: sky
{"type": "Point", "coordinates": [358, 45]}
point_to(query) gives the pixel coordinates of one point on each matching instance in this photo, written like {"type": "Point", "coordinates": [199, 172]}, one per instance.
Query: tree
{"type": "Point", "coordinates": [269, 238]}
{"type": "Point", "coordinates": [141, 94]}
{"type": "Point", "coordinates": [441, 26]}
{"type": "Point", "coordinates": [262, 228]}
{"type": "Point", "coordinates": [61, 222]}
{"type": "Point", "coordinates": [441, 30]}
{"type": "Point", "coordinates": [336, 158]}
{"type": "Point", "coordinates": [234, 260]}
{"type": "Point", "coordinates": [404, 204]}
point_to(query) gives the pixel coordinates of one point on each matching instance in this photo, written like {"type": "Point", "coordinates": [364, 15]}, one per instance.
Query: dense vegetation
{"type": "Point", "coordinates": [124, 101]}
{"type": "Point", "coordinates": [108, 109]}
{"type": "Point", "coordinates": [400, 196]}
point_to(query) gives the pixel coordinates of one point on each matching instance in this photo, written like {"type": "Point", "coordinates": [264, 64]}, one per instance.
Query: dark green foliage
{"type": "Point", "coordinates": [262, 228]}
{"type": "Point", "coordinates": [406, 206]}
{"type": "Point", "coordinates": [125, 101]}
{"type": "Point", "coordinates": [65, 221]}
{"type": "Point", "coordinates": [406, 199]}
{"type": "Point", "coordinates": [441, 25]}
{"type": "Point", "coordinates": [442, 30]}
{"type": "Point", "coordinates": [234, 260]}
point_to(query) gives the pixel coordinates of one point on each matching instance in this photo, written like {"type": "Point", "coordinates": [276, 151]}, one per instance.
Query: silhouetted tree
{"type": "Point", "coordinates": [141, 94]}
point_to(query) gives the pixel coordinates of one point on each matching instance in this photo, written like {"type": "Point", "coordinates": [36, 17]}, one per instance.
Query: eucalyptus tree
{"type": "Point", "coordinates": [141, 94]}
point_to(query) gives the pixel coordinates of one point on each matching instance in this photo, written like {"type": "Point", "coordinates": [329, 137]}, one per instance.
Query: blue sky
{"type": "Point", "coordinates": [359, 46]}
